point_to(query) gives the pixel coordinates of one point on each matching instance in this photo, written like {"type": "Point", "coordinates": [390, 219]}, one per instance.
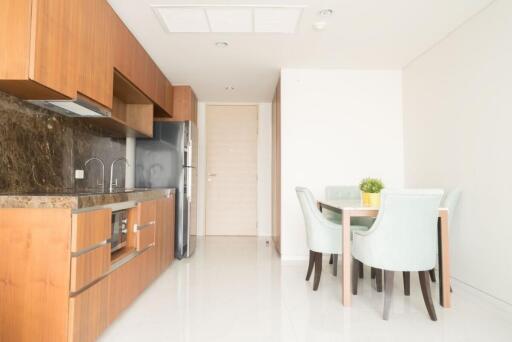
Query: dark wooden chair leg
{"type": "Point", "coordinates": [310, 265]}
{"type": "Point", "coordinates": [361, 270]}
{"type": "Point", "coordinates": [432, 274]}
{"type": "Point", "coordinates": [389, 277]}
{"type": "Point", "coordinates": [427, 297]}
{"type": "Point", "coordinates": [378, 279]}
{"type": "Point", "coordinates": [318, 270]}
{"type": "Point", "coordinates": [331, 259]}
{"type": "Point", "coordinates": [407, 283]}
{"type": "Point", "coordinates": [335, 265]}
{"type": "Point", "coordinates": [355, 275]}
{"type": "Point", "coordinates": [372, 273]}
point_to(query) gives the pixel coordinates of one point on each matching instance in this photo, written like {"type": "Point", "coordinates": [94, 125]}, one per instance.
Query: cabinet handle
{"type": "Point", "coordinates": [139, 227]}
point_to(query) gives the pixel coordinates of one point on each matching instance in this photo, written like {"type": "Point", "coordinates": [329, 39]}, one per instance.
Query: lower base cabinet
{"type": "Point", "coordinates": [88, 310]}
{"type": "Point", "coordinates": [58, 279]}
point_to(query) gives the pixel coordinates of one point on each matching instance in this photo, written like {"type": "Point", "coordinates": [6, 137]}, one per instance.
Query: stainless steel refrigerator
{"type": "Point", "coordinates": [169, 160]}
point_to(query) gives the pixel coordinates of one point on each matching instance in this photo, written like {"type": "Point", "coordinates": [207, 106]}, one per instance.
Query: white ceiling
{"type": "Point", "coordinates": [362, 34]}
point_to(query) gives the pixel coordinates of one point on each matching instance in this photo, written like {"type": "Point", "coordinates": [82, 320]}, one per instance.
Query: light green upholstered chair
{"type": "Point", "coordinates": [402, 239]}
{"type": "Point", "coordinates": [322, 235]}
{"type": "Point", "coordinates": [345, 192]}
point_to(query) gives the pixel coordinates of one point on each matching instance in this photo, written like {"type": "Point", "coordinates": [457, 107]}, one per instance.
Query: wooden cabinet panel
{"type": "Point", "coordinates": [95, 57]}
{"type": "Point", "coordinates": [34, 274]}
{"type": "Point", "coordinates": [88, 313]}
{"type": "Point", "coordinates": [185, 104]}
{"type": "Point", "coordinates": [169, 98]}
{"type": "Point", "coordinates": [15, 18]}
{"type": "Point", "coordinates": [146, 212]}
{"type": "Point", "coordinates": [134, 63]}
{"type": "Point", "coordinates": [146, 236]}
{"type": "Point", "coordinates": [55, 45]}
{"type": "Point", "coordinates": [90, 228]}
{"type": "Point", "coordinates": [125, 284]}
{"type": "Point", "coordinates": [89, 266]}
{"type": "Point", "coordinates": [165, 232]}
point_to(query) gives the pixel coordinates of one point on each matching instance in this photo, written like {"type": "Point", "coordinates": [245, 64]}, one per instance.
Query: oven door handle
{"type": "Point", "coordinates": [139, 227]}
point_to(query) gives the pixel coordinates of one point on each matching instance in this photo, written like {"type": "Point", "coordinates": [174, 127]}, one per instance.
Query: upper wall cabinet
{"type": "Point", "coordinates": [38, 48]}
{"type": "Point", "coordinates": [132, 61]}
{"type": "Point", "coordinates": [185, 104]}
{"type": "Point", "coordinates": [62, 49]}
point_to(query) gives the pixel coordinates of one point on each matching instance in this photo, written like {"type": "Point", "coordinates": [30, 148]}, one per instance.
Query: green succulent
{"type": "Point", "coordinates": [371, 185]}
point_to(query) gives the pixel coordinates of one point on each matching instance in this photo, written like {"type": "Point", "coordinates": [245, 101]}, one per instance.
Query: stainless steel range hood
{"type": "Point", "coordinates": [80, 107]}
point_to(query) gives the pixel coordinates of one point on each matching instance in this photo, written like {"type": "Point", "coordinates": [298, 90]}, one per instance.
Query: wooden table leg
{"type": "Point", "coordinates": [347, 258]}
{"type": "Point", "coordinates": [444, 261]}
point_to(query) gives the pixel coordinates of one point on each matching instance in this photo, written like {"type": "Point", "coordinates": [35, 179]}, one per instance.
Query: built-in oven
{"type": "Point", "coordinates": [119, 229]}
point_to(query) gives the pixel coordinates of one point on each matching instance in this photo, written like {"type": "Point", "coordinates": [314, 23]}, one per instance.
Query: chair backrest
{"type": "Point", "coordinates": [309, 209]}
{"type": "Point", "coordinates": [322, 235]}
{"type": "Point", "coordinates": [450, 201]}
{"type": "Point", "coordinates": [406, 229]}
{"type": "Point", "coordinates": [336, 192]}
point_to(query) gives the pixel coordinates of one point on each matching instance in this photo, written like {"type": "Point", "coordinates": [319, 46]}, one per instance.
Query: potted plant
{"type": "Point", "coordinates": [370, 188]}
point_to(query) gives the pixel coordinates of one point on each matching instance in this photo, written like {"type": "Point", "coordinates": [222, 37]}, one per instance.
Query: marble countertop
{"type": "Point", "coordinates": [68, 198]}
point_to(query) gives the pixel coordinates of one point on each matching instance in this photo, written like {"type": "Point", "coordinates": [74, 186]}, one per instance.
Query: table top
{"type": "Point", "coordinates": [351, 204]}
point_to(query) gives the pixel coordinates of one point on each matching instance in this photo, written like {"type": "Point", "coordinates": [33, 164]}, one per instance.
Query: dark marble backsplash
{"type": "Point", "coordinates": [39, 150]}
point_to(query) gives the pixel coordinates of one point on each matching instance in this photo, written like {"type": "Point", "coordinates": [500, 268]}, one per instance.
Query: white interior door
{"type": "Point", "coordinates": [231, 164]}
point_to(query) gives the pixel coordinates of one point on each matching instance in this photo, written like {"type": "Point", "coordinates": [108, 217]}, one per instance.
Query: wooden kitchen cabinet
{"type": "Point", "coordinates": [184, 102]}
{"type": "Point", "coordinates": [39, 47]}
{"type": "Point", "coordinates": [61, 49]}
{"type": "Point", "coordinates": [88, 313]}
{"type": "Point", "coordinates": [95, 58]}
{"type": "Point", "coordinates": [57, 279]}
{"type": "Point", "coordinates": [132, 61]}
{"type": "Point", "coordinates": [165, 232]}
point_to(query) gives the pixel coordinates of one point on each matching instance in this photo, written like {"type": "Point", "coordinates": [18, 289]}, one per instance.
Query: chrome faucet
{"type": "Point", "coordinates": [102, 171]}
{"type": "Point", "coordinates": [112, 184]}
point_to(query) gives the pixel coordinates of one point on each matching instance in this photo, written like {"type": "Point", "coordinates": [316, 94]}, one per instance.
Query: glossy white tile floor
{"type": "Point", "coordinates": [236, 289]}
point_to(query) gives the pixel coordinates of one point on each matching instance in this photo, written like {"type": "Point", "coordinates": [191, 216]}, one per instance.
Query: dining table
{"type": "Point", "coordinates": [354, 208]}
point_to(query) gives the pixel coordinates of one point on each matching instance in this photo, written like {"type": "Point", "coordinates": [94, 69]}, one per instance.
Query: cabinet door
{"type": "Point", "coordinates": [88, 267]}
{"type": "Point", "coordinates": [95, 57]}
{"type": "Point", "coordinates": [14, 34]}
{"type": "Point", "coordinates": [145, 235]}
{"type": "Point", "coordinates": [88, 313]}
{"type": "Point", "coordinates": [90, 228]}
{"type": "Point", "coordinates": [185, 104]}
{"type": "Point", "coordinates": [55, 45]}
{"type": "Point", "coordinates": [122, 289]}
{"type": "Point", "coordinates": [166, 213]}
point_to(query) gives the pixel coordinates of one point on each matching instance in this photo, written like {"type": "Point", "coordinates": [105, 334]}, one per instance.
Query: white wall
{"type": "Point", "coordinates": [201, 167]}
{"type": "Point", "coordinates": [457, 124]}
{"type": "Point", "coordinates": [264, 168]}
{"type": "Point", "coordinates": [337, 127]}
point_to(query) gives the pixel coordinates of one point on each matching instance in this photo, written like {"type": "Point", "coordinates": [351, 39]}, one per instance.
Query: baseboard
{"type": "Point", "coordinates": [482, 295]}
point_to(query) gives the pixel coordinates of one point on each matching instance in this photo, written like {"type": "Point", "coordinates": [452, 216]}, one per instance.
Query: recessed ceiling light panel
{"type": "Point", "coordinates": [184, 19]}
{"type": "Point", "coordinates": [229, 18]}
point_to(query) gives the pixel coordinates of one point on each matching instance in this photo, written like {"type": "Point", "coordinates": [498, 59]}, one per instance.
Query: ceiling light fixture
{"type": "Point", "coordinates": [319, 25]}
{"type": "Point", "coordinates": [229, 88]}
{"type": "Point", "coordinates": [221, 44]}
{"type": "Point", "coordinates": [326, 12]}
